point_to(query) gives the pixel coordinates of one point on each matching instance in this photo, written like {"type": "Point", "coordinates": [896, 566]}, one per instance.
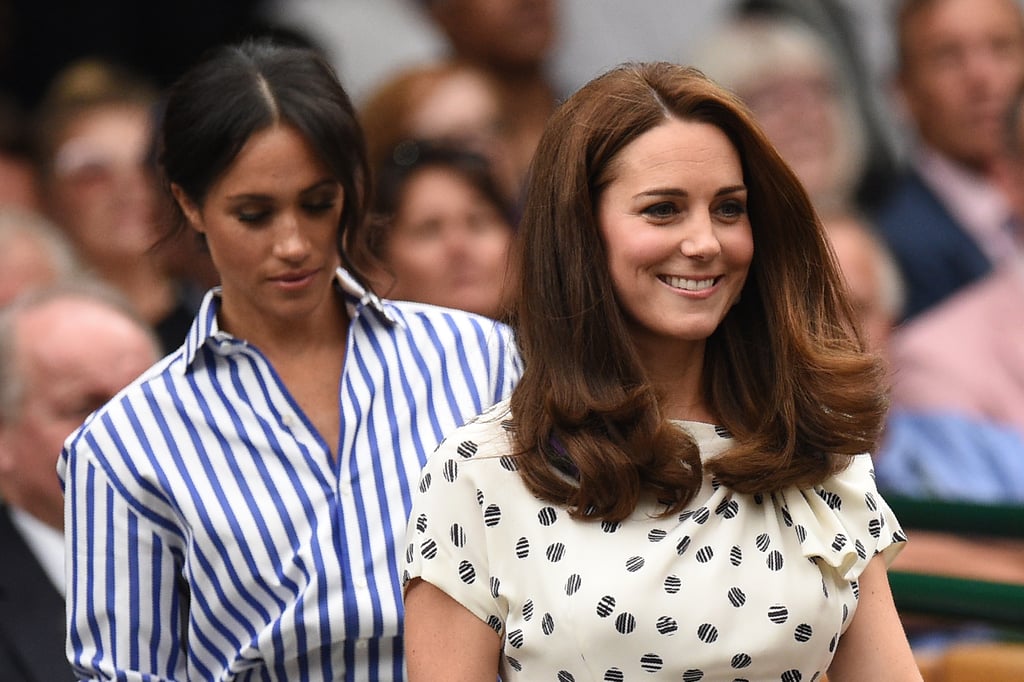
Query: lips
{"type": "Point", "coordinates": [295, 277]}
{"type": "Point", "coordinates": [688, 284]}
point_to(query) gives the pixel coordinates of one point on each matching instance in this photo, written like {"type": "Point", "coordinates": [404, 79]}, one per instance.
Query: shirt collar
{"type": "Point", "coordinates": [972, 200]}
{"type": "Point", "coordinates": [205, 326]}
{"type": "Point", "coordinates": [45, 543]}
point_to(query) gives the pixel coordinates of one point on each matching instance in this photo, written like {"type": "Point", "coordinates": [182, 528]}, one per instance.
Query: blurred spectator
{"type": "Point", "coordinates": [33, 252]}
{"type": "Point", "coordinates": [18, 186]}
{"type": "Point", "coordinates": [512, 40]}
{"type": "Point", "coordinates": [440, 230]}
{"type": "Point", "coordinates": [447, 101]}
{"type": "Point", "coordinates": [937, 454]}
{"type": "Point", "coordinates": [937, 450]}
{"type": "Point", "coordinates": [64, 351]}
{"type": "Point", "coordinates": [858, 40]}
{"type": "Point", "coordinates": [789, 77]}
{"type": "Point", "coordinates": [960, 61]}
{"type": "Point", "coordinates": [967, 353]}
{"type": "Point", "coordinates": [94, 145]}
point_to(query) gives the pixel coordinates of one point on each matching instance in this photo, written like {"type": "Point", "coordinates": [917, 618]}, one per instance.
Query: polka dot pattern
{"type": "Point", "coordinates": [735, 587]}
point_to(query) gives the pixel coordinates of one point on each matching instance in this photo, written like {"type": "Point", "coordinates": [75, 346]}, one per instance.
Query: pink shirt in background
{"type": "Point", "coordinates": [967, 353]}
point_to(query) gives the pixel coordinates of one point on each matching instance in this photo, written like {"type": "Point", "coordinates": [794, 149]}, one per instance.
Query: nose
{"type": "Point", "coordinates": [699, 240]}
{"type": "Point", "coordinates": [291, 242]}
{"type": "Point", "coordinates": [132, 184]}
{"type": "Point", "coordinates": [460, 238]}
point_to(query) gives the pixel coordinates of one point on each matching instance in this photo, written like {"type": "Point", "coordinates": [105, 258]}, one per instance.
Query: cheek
{"type": "Point", "coordinates": [413, 258]}
{"type": "Point", "coordinates": [231, 250]}
{"type": "Point", "coordinates": [738, 246]}
{"type": "Point", "coordinates": [496, 243]}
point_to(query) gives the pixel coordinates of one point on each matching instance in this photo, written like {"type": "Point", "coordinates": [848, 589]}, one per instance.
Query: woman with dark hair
{"type": "Point", "coordinates": [677, 486]}
{"type": "Point", "coordinates": [440, 230]}
{"type": "Point", "coordinates": [234, 513]}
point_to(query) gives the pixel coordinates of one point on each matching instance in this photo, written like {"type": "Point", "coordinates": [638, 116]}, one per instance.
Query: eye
{"type": "Point", "coordinates": [663, 210]}
{"type": "Point", "coordinates": [253, 217]}
{"type": "Point", "coordinates": [732, 209]}
{"type": "Point", "coordinates": [79, 410]}
{"type": "Point", "coordinates": [425, 230]}
{"type": "Point", "coordinates": [318, 207]}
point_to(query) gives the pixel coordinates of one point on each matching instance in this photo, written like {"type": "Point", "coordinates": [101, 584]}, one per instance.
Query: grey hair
{"type": "Point", "coordinates": [85, 288]}
{"type": "Point", "coordinates": [18, 222]}
{"type": "Point", "coordinates": [749, 48]}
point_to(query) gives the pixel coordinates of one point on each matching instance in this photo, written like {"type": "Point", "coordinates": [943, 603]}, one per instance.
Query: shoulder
{"type": "Point", "coordinates": [967, 313]}
{"type": "Point", "coordinates": [418, 315]}
{"type": "Point", "coordinates": [118, 422]}
{"type": "Point", "coordinates": [445, 330]}
{"type": "Point", "coordinates": [909, 193]}
{"type": "Point", "coordinates": [485, 436]}
{"type": "Point", "coordinates": [912, 205]}
{"type": "Point", "coordinates": [475, 462]}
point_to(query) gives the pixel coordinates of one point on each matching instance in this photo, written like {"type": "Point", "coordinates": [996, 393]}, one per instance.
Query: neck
{"type": "Point", "coordinates": [678, 381]}
{"type": "Point", "coordinates": [146, 287]}
{"type": "Point", "coordinates": [327, 326]}
{"type": "Point", "coordinates": [51, 515]}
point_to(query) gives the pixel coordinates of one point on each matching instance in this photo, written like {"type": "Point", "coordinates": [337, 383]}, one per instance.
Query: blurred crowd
{"type": "Point", "coordinates": [919, 182]}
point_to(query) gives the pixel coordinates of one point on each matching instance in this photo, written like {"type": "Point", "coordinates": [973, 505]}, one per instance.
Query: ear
{"type": "Point", "coordinates": [188, 208]}
{"type": "Point", "coordinates": [6, 455]}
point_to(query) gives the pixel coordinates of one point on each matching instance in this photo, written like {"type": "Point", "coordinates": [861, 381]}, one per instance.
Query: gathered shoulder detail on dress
{"type": "Point", "coordinates": [844, 521]}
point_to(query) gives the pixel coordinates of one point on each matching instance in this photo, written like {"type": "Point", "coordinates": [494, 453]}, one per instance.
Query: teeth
{"type": "Point", "coordinates": [689, 284]}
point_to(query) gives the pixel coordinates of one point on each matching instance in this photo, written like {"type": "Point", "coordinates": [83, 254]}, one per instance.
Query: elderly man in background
{"type": "Point", "coordinates": [65, 349]}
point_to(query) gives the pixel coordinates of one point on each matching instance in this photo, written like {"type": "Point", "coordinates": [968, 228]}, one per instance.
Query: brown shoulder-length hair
{"type": "Point", "coordinates": [786, 371]}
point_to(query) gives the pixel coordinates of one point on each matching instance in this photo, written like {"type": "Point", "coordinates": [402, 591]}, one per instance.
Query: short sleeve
{"type": "Point", "coordinates": [845, 521]}
{"type": "Point", "coordinates": [446, 540]}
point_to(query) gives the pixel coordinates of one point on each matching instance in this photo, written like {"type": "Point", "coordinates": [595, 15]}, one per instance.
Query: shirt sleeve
{"type": "Point", "coordinates": [126, 611]}
{"type": "Point", "coordinates": [446, 540]}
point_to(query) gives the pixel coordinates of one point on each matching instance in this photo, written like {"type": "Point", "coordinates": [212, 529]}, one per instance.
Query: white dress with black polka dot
{"type": "Point", "coordinates": [736, 587]}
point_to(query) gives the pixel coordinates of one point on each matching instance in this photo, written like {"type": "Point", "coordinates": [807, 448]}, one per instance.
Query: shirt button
{"type": "Point", "coordinates": [288, 420]}
{"type": "Point", "coordinates": [362, 643]}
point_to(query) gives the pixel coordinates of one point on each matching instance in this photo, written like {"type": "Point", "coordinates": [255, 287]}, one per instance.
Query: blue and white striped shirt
{"type": "Point", "coordinates": [212, 536]}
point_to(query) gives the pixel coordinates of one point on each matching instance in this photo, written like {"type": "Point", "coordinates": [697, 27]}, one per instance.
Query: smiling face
{"type": "Point", "coordinates": [271, 222]}
{"type": "Point", "coordinates": [675, 226]}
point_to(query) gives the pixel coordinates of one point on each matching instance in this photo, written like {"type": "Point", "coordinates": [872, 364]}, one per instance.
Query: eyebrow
{"type": "Point", "coordinates": [265, 197]}
{"type": "Point", "coordinates": [674, 192]}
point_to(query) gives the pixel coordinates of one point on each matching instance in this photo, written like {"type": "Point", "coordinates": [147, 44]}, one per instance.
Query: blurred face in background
{"type": "Point", "coordinates": [448, 245]}
{"type": "Point", "coordinates": [962, 60]}
{"type": "Point", "coordinates": [24, 264]}
{"type": "Point", "coordinates": [860, 261]}
{"type": "Point", "coordinates": [502, 33]}
{"type": "Point", "coordinates": [101, 190]}
{"type": "Point", "coordinates": [464, 108]}
{"type": "Point", "coordinates": [801, 111]}
{"type": "Point", "coordinates": [72, 355]}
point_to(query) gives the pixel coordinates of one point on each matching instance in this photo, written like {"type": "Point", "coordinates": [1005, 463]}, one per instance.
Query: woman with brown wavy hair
{"type": "Point", "coordinates": [678, 485]}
